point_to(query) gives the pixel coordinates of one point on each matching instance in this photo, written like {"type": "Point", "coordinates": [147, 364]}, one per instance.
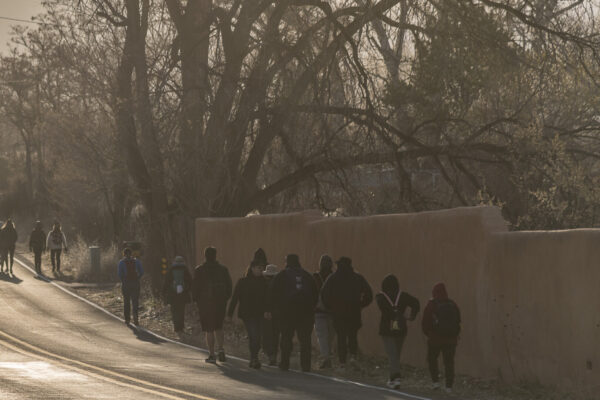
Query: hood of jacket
{"type": "Point", "coordinates": [439, 292]}
{"type": "Point", "coordinates": [390, 286]}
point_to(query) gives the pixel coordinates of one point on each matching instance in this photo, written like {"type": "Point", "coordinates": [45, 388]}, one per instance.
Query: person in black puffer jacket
{"type": "Point", "coordinates": [251, 293]}
{"type": "Point", "coordinates": [345, 293]}
{"type": "Point", "coordinates": [292, 300]}
{"type": "Point", "coordinates": [393, 304]}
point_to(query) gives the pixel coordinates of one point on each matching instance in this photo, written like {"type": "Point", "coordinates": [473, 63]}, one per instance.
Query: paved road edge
{"type": "Point", "coordinates": [105, 311]}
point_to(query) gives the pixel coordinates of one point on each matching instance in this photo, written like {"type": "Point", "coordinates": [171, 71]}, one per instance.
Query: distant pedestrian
{"type": "Point", "coordinates": [56, 243]}
{"type": "Point", "coordinates": [293, 299]}
{"type": "Point", "coordinates": [251, 294]}
{"type": "Point", "coordinates": [130, 271]}
{"type": "Point", "coordinates": [177, 288]}
{"type": "Point", "coordinates": [211, 290]}
{"type": "Point", "coordinates": [37, 245]}
{"type": "Point", "coordinates": [346, 293]}
{"type": "Point", "coordinates": [323, 321]}
{"type": "Point", "coordinates": [8, 241]}
{"type": "Point", "coordinates": [441, 324]}
{"type": "Point", "coordinates": [260, 258]}
{"type": "Point", "coordinates": [271, 328]}
{"type": "Point", "coordinates": [393, 328]}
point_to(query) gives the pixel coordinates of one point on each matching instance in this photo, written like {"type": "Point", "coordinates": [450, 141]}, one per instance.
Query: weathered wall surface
{"type": "Point", "coordinates": [236, 239]}
{"type": "Point", "coordinates": [529, 300]}
{"type": "Point", "coordinates": [541, 306]}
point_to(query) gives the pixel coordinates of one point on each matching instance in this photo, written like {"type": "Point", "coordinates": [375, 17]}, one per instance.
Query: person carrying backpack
{"type": "Point", "coordinates": [271, 329]}
{"type": "Point", "coordinates": [130, 271]}
{"type": "Point", "coordinates": [176, 291]}
{"type": "Point", "coordinates": [293, 298]}
{"type": "Point", "coordinates": [8, 241]}
{"type": "Point", "coordinates": [392, 303]}
{"type": "Point", "coordinates": [211, 290]}
{"type": "Point", "coordinates": [441, 324]}
{"type": "Point", "coordinates": [56, 242]}
{"type": "Point", "coordinates": [37, 245]}
{"type": "Point", "coordinates": [345, 294]}
{"type": "Point", "coordinates": [323, 322]}
{"type": "Point", "coordinates": [251, 294]}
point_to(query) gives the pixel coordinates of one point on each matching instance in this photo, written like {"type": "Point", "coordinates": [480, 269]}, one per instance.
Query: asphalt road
{"type": "Point", "coordinates": [55, 346]}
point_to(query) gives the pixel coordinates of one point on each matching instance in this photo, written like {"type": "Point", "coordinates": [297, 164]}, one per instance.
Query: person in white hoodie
{"type": "Point", "coordinates": [56, 242]}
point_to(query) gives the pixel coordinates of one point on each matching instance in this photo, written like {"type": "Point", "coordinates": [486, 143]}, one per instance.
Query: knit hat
{"type": "Point", "coordinates": [270, 270]}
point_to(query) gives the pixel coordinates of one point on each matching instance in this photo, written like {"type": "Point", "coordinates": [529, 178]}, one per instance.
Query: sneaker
{"type": "Point", "coordinates": [393, 384]}
{"type": "Point", "coordinates": [325, 364]}
{"type": "Point", "coordinates": [221, 356]}
{"type": "Point", "coordinates": [211, 359]}
{"type": "Point", "coordinates": [435, 386]}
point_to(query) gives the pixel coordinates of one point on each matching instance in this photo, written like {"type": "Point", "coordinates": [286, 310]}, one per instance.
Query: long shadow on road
{"type": "Point", "coordinates": [298, 384]}
{"type": "Point", "coordinates": [144, 336]}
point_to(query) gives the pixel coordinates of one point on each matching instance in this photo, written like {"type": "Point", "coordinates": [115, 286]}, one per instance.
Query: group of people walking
{"type": "Point", "coordinates": [276, 305]}
{"type": "Point", "coordinates": [55, 241]}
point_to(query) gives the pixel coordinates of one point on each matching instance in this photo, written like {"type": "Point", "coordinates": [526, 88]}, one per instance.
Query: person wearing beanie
{"type": "Point", "coordinates": [392, 303]}
{"type": "Point", "coordinates": [260, 258]}
{"type": "Point", "coordinates": [345, 294]}
{"type": "Point", "coordinates": [37, 245]}
{"type": "Point", "coordinates": [251, 294]}
{"type": "Point", "coordinates": [441, 324]}
{"type": "Point", "coordinates": [271, 329]}
{"type": "Point", "coordinates": [323, 322]}
{"type": "Point", "coordinates": [176, 291]}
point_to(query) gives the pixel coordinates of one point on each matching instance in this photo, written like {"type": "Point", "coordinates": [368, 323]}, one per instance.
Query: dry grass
{"type": "Point", "coordinates": [77, 262]}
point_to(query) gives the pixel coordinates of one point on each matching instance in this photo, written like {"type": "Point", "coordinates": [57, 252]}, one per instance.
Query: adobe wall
{"type": "Point", "coordinates": [529, 300]}
{"type": "Point", "coordinates": [541, 306]}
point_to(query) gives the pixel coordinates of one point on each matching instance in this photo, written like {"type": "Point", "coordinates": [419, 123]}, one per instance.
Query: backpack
{"type": "Point", "coordinates": [178, 281]}
{"type": "Point", "coordinates": [130, 270]}
{"type": "Point", "coordinates": [397, 321]}
{"type": "Point", "coordinates": [446, 320]}
{"type": "Point", "coordinates": [57, 238]}
{"type": "Point", "coordinates": [298, 295]}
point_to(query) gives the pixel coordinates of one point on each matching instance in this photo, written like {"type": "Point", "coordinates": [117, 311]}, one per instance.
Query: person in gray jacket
{"type": "Point", "coordinates": [56, 242]}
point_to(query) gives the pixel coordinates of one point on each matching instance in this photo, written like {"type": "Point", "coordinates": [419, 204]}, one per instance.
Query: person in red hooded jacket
{"type": "Point", "coordinates": [441, 324]}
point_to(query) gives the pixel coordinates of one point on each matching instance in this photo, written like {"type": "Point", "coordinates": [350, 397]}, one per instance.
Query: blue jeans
{"type": "Point", "coordinates": [393, 348]}
{"type": "Point", "coordinates": [131, 298]}
{"type": "Point", "coordinates": [254, 329]}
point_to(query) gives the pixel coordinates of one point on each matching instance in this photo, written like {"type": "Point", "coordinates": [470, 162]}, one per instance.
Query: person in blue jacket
{"type": "Point", "coordinates": [130, 271]}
